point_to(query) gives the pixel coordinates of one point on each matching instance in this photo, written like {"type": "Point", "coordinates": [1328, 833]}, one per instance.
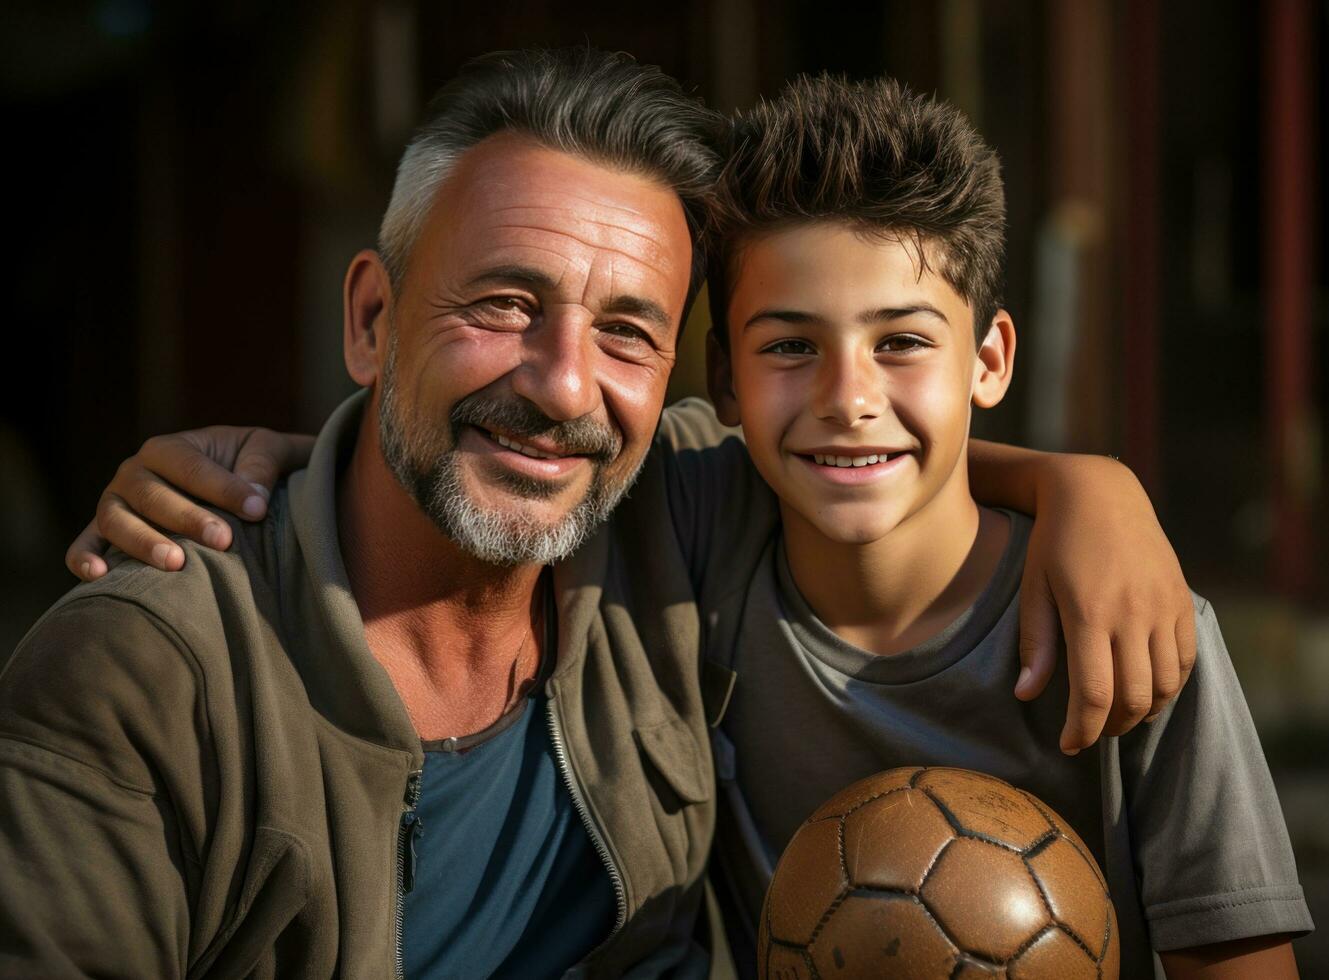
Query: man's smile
{"type": "Point", "coordinates": [530, 460]}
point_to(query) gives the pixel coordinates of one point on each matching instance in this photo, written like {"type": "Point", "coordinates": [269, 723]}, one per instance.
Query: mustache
{"type": "Point", "coordinates": [517, 417]}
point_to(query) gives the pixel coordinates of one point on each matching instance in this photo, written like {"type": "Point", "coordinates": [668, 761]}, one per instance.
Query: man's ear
{"type": "Point", "coordinates": [720, 380]}
{"type": "Point", "coordinates": [996, 361]}
{"type": "Point", "coordinates": [366, 313]}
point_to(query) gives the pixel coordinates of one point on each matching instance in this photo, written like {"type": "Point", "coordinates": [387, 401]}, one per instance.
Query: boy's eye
{"type": "Point", "coordinates": [788, 347]}
{"type": "Point", "coordinates": [902, 343]}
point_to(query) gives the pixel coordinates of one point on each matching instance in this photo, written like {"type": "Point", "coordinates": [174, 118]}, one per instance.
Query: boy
{"type": "Point", "coordinates": [856, 309]}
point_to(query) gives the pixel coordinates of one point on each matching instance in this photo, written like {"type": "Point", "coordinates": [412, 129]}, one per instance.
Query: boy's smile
{"type": "Point", "coordinates": [853, 375]}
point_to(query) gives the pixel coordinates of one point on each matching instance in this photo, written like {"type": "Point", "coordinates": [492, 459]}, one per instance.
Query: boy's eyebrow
{"type": "Point", "coordinates": [897, 312]}
{"type": "Point", "coordinates": [784, 316]}
{"type": "Point", "coordinates": [870, 316]}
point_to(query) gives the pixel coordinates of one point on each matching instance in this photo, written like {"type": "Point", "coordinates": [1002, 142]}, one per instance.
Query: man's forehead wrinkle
{"type": "Point", "coordinates": [583, 222]}
{"type": "Point", "coordinates": [637, 257]}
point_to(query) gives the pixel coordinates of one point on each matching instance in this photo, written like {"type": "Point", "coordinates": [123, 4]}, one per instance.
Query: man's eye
{"type": "Point", "coordinates": [788, 347]}
{"type": "Point", "coordinates": [506, 304]}
{"type": "Point", "coordinates": [624, 331]}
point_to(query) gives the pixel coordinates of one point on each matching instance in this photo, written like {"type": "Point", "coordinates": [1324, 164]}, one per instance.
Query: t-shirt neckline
{"type": "Point", "coordinates": [942, 650]}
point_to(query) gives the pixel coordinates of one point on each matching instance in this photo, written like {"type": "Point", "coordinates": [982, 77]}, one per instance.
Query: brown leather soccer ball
{"type": "Point", "coordinates": [936, 873]}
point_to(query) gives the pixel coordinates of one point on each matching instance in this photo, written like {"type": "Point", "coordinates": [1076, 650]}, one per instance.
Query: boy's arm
{"type": "Point", "coordinates": [1099, 572]}
{"type": "Point", "coordinates": [1267, 957]}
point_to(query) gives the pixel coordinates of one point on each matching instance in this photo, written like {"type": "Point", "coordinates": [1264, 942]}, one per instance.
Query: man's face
{"type": "Point", "coordinates": [853, 377]}
{"type": "Point", "coordinates": [531, 342]}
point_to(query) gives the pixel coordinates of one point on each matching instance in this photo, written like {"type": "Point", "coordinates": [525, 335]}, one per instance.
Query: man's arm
{"type": "Point", "coordinates": [94, 859]}
{"type": "Point", "coordinates": [1100, 573]}
{"type": "Point", "coordinates": [1266, 957]}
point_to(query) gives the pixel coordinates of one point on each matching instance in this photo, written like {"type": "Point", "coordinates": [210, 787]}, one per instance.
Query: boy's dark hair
{"type": "Point", "coordinates": [600, 105]}
{"type": "Point", "coordinates": [876, 156]}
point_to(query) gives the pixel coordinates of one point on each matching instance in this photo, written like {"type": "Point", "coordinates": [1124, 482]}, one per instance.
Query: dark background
{"type": "Point", "coordinates": [187, 183]}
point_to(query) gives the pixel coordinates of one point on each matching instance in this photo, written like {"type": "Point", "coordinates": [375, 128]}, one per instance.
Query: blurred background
{"type": "Point", "coordinates": [190, 181]}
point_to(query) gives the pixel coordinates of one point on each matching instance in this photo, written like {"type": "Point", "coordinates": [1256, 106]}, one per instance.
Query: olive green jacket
{"type": "Point", "coordinates": [204, 773]}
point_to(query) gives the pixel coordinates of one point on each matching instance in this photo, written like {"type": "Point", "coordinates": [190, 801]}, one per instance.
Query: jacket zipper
{"type": "Point", "coordinates": [409, 829]}
{"type": "Point", "coordinates": [597, 840]}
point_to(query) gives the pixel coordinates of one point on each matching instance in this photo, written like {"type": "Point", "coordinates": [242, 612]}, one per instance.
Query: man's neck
{"type": "Point", "coordinates": [457, 636]}
{"type": "Point", "coordinates": [891, 594]}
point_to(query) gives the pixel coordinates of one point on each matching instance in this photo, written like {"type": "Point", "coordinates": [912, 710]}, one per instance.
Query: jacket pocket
{"type": "Point", "coordinates": [673, 754]}
{"type": "Point", "coordinates": [276, 888]}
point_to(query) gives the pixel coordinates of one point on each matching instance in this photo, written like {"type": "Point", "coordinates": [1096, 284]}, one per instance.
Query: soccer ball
{"type": "Point", "coordinates": [925, 873]}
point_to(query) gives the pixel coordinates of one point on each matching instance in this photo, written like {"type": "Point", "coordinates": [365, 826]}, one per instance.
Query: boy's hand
{"type": "Point", "coordinates": [1101, 571]}
{"type": "Point", "coordinates": [231, 467]}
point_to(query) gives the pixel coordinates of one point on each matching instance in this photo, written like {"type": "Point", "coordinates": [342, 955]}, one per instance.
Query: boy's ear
{"type": "Point", "coordinates": [366, 313]}
{"type": "Point", "coordinates": [996, 362]}
{"type": "Point", "coordinates": [720, 380]}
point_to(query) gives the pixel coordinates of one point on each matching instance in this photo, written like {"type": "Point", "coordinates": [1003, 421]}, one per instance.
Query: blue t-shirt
{"type": "Point", "coordinates": [507, 882]}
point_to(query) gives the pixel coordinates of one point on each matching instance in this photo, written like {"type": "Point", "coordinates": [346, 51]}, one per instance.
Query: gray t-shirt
{"type": "Point", "coordinates": [1180, 813]}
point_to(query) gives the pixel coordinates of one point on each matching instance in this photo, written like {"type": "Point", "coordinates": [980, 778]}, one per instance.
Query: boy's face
{"type": "Point", "coordinates": [840, 351]}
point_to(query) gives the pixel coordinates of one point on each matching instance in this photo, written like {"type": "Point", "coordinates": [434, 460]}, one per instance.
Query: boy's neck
{"type": "Point", "coordinates": [890, 595]}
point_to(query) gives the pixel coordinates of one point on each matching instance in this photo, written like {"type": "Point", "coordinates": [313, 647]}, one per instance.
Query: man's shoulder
{"type": "Point", "coordinates": [104, 683]}
{"type": "Point", "coordinates": [130, 659]}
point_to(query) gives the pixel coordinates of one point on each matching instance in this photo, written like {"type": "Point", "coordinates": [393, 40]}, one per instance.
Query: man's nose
{"type": "Point", "coordinates": [850, 387]}
{"type": "Point", "coordinates": [557, 373]}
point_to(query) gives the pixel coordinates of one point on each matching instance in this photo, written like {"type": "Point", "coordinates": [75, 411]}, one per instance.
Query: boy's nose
{"type": "Point", "coordinates": [557, 373]}
{"type": "Point", "coordinates": [850, 388]}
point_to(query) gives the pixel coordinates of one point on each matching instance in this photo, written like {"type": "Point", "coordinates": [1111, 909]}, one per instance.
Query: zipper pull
{"type": "Point", "coordinates": [413, 828]}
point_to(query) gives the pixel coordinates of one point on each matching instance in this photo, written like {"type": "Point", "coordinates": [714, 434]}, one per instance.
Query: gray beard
{"type": "Point", "coordinates": [432, 475]}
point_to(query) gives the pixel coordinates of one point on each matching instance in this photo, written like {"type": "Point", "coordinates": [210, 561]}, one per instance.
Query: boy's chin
{"type": "Point", "coordinates": [852, 529]}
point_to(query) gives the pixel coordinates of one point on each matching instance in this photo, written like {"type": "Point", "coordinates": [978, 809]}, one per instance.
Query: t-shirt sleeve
{"type": "Point", "coordinates": [1212, 854]}
{"type": "Point", "coordinates": [721, 508]}
{"type": "Point", "coordinates": [93, 881]}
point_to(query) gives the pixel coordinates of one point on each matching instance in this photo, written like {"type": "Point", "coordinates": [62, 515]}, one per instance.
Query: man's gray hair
{"type": "Point", "coordinates": [602, 106]}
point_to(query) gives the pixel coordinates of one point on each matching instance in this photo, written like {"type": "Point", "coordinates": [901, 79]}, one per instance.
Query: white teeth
{"type": "Point", "coordinates": [847, 461]}
{"type": "Point", "coordinates": [507, 443]}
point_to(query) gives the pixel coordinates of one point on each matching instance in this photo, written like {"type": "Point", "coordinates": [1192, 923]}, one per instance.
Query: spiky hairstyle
{"type": "Point", "coordinates": [875, 155]}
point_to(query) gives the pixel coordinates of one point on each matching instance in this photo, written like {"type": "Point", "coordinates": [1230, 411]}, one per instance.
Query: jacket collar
{"type": "Point", "coordinates": [345, 683]}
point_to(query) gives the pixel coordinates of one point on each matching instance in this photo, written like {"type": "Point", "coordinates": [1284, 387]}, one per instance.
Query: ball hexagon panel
{"type": "Point", "coordinates": [985, 899]}
{"type": "Point", "coordinates": [1069, 833]}
{"type": "Point", "coordinates": [808, 879]}
{"type": "Point", "coordinates": [1074, 893]}
{"type": "Point", "coordinates": [892, 841]}
{"type": "Point", "coordinates": [903, 935]}
{"type": "Point", "coordinates": [989, 807]}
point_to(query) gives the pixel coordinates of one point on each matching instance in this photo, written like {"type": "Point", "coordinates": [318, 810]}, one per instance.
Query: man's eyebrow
{"type": "Point", "coordinates": [521, 274]}
{"type": "Point", "coordinates": [647, 309]}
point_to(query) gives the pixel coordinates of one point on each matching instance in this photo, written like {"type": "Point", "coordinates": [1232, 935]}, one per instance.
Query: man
{"type": "Point", "coordinates": [237, 753]}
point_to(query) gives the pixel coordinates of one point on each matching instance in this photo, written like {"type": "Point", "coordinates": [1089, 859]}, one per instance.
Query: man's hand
{"type": "Point", "coordinates": [1100, 572]}
{"type": "Point", "coordinates": [231, 467]}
